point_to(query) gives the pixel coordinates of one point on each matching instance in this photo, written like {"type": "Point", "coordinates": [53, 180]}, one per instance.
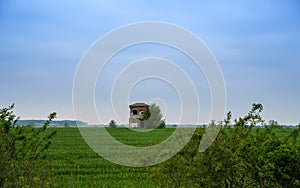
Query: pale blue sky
{"type": "Point", "coordinates": [256, 43]}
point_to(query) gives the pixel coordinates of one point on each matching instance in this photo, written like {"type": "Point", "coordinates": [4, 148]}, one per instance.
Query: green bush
{"type": "Point", "coordinates": [112, 124]}
{"type": "Point", "coordinates": [243, 155]}
{"type": "Point", "coordinates": [21, 151]}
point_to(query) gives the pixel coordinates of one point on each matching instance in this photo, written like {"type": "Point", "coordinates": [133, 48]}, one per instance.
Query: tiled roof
{"type": "Point", "coordinates": [138, 104]}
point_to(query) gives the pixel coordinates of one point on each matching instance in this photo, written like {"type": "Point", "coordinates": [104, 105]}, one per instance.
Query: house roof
{"type": "Point", "coordinates": [138, 105]}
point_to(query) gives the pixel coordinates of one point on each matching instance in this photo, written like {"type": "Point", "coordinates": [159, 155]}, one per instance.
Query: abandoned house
{"type": "Point", "coordinates": [136, 114]}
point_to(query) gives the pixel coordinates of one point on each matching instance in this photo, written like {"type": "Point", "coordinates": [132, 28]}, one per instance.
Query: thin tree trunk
{"type": "Point", "coordinates": [261, 182]}
{"type": "Point", "coordinates": [2, 182]}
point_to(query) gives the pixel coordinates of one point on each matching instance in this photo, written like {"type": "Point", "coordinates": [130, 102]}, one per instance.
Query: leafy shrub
{"type": "Point", "coordinates": [112, 124]}
{"type": "Point", "coordinates": [242, 155]}
{"type": "Point", "coordinates": [21, 151]}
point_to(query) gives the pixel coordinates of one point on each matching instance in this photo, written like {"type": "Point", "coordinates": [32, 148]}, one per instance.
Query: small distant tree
{"type": "Point", "coordinates": [112, 124]}
{"type": "Point", "coordinates": [152, 118]}
{"type": "Point", "coordinates": [273, 123]}
{"type": "Point", "coordinates": [162, 124]}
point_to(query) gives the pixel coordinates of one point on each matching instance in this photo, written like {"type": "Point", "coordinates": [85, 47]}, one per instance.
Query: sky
{"type": "Point", "coordinates": [256, 43]}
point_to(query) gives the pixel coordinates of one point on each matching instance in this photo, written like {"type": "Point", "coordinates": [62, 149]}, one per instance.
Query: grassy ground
{"type": "Point", "coordinates": [72, 163]}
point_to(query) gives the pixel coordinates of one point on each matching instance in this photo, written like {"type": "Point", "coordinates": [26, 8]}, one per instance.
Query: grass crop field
{"type": "Point", "coordinates": [72, 163]}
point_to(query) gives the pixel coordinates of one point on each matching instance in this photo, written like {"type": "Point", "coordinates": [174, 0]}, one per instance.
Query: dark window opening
{"type": "Point", "coordinates": [134, 112]}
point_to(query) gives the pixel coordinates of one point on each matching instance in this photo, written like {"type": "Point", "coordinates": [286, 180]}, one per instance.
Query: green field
{"type": "Point", "coordinates": [72, 163]}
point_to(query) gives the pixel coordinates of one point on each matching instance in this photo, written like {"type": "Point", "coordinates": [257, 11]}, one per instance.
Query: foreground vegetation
{"type": "Point", "coordinates": [22, 151]}
{"type": "Point", "coordinates": [242, 155]}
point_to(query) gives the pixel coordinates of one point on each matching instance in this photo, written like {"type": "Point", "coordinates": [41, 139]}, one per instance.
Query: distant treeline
{"type": "Point", "coordinates": [66, 123]}
{"type": "Point", "coordinates": [205, 125]}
